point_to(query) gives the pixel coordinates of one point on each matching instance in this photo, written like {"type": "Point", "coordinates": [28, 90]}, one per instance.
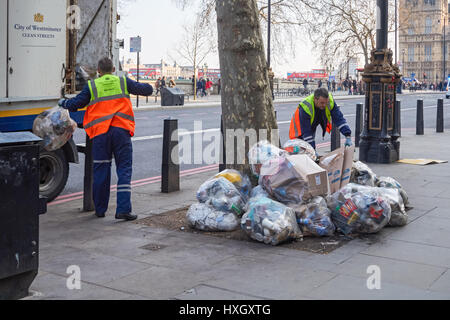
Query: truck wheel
{"type": "Point", "coordinates": [54, 171]}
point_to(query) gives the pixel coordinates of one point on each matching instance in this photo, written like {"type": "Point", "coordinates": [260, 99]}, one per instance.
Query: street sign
{"type": "Point", "coordinates": [135, 44]}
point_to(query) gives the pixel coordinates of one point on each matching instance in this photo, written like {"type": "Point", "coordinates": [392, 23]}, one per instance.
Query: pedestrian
{"type": "Point", "coordinates": [172, 83]}
{"type": "Point", "coordinates": [329, 85]}
{"type": "Point", "coordinates": [334, 85]}
{"type": "Point", "coordinates": [204, 87]}
{"type": "Point", "coordinates": [109, 122]}
{"type": "Point", "coordinates": [219, 85]}
{"type": "Point", "coordinates": [319, 84]}
{"type": "Point", "coordinates": [355, 87]}
{"type": "Point", "coordinates": [199, 88]}
{"type": "Point", "coordinates": [305, 83]}
{"type": "Point", "coordinates": [163, 82]}
{"type": "Point", "coordinates": [321, 109]}
{"type": "Point", "coordinates": [208, 86]}
{"type": "Point", "coordinates": [158, 86]}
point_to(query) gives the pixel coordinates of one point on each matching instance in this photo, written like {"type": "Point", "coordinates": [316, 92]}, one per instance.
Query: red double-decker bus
{"type": "Point", "coordinates": [315, 74]}
{"type": "Point", "coordinates": [145, 73]}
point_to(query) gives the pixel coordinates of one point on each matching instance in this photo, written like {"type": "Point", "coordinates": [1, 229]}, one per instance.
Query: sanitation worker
{"type": "Point", "coordinates": [109, 122]}
{"type": "Point", "coordinates": [318, 109]}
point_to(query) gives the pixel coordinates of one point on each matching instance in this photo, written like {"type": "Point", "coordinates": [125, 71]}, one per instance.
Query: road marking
{"type": "Point", "coordinates": [136, 183]}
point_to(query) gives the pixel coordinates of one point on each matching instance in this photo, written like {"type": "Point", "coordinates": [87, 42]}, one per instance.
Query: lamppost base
{"type": "Point", "coordinates": [374, 150]}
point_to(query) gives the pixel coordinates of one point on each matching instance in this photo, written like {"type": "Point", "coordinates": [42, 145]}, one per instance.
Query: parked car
{"type": "Point", "coordinates": [447, 95]}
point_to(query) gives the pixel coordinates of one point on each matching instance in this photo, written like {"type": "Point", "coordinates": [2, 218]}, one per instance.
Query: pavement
{"type": "Point", "coordinates": [413, 261]}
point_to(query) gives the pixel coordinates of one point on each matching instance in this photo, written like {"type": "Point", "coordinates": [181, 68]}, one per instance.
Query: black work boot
{"type": "Point", "coordinates": [126, 216]}
{"type": "Point", "coordinates": [100, 215]}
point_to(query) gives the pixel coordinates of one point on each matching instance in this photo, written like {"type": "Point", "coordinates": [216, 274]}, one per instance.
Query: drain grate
{"type": "Point", "coordinates": [153, 247]}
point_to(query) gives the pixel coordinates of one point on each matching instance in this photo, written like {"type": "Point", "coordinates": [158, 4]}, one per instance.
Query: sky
{"type": "Point", "coordinates": [159, 24]}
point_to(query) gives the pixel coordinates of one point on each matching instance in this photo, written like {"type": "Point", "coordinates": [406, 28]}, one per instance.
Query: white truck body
{"type": "Point", "coordinates": [36, 66]}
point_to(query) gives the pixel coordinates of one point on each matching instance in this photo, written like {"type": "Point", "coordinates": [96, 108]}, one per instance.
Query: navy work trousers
{"type": "Point", "coordinates": [117, 142]}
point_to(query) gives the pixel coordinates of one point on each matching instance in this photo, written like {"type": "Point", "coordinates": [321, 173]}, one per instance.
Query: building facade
{"type": "Point", "coordinates": [422, 24]}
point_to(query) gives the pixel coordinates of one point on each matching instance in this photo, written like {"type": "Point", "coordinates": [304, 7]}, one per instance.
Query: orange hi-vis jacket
{"type": "Point", "coordinates": [110, 106]}
{"type": "Point", "coordinates": [295, 130]}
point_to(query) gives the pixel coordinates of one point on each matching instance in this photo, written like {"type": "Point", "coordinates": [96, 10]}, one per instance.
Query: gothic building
{"type": "Point", "coordinates": [422, 24]}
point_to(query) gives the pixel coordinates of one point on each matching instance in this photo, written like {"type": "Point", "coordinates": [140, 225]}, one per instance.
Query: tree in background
{"type": "Point", "coordinates": [246, 95]}
{"type": "Point", "coordinates": [198, 41]}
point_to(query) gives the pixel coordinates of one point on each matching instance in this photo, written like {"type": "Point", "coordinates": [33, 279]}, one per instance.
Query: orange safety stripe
{"type": "Point", "coordinates": [295, 130]}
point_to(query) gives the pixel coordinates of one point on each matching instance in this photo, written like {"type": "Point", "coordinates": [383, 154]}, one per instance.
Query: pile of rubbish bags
{"type": "Point", "coordinates": [277, 210]}
{"type": "Point", "coordinates": [55, 127]}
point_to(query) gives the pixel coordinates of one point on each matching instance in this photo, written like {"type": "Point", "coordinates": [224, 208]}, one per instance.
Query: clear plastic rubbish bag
{"type": "Point", "coordinates": [259, 191]}
{"type": "Point", "coordinates": [240, 181]}
{"type": "Point", "coordinates": [222, 195]}
{"type": "Point", "coordinates": [359, 212]}
{"type": "Point", "coordinates": [388, 182]}
{"type": "Point", "coordinates": [363, 175]}
{"type": "Point", "coordinates": [270, 222]}
{"type": "Point", "coordinates": [282, 182]}
{"type": "Point", "coordinates": [298, 146]}
{"type": "Point", "coordinates": [316, 219]}
{"type": "Point", "coordinates": [55, 127]}
{"type": "Point", "coordinates": [399, 217]}
{"type": "Point", "coordinates": [262, 152]}
{"type": "Point", "coordinates": [205, 218]}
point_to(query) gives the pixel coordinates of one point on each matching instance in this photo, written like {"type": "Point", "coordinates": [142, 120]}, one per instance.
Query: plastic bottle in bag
{"type": "Point", "coordinates": [359, 212]}
{"type": "Point", "coordinates": [240, 181]}
{"type": "Point", "coordinates": [298, 146]}
{"type": "Point", "coordinates": [222, 195]}
{"type": "Point", "coordinates": [270, 222]}
{"type": "Point", "coordinates": [363, 175]}
{"type": "Point", "coordinates": [204, 217]}
{"type": "Point", "coordinates": [55, 127]}
{"type": "Point", "coordinates": [316, 219]}
{"type": "Point", "coordinates": [262, 152]}
{"type": "Point", "coordinates": [399, 216]}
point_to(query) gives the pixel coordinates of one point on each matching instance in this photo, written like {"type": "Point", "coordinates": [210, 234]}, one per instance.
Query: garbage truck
{"type": "Point", "coordinates": [49, 50]}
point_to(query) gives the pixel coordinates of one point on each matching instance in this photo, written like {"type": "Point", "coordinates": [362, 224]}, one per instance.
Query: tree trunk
{"type": "Point", "coordinates": [246, 95]}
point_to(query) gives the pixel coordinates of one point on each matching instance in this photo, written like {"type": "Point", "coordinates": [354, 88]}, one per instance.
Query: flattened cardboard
{"type": "Point", "coordinates": [334, 168]}
{"type": "Point", "coordinates": [349, 153]}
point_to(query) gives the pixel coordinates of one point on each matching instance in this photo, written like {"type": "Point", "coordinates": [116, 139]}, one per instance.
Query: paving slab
{"type": "Point", "coordinates": [95, 268]}
{"type": "Point", "coordinates": [426, 230]}
{"type": "Point", "coordinates": [269, 278]}
{"type": "Point", "coordinates": [443, 283]}
{"type": "Point", "coordinates": [393, 271]}
{"type": "Point", "coordinates": [54, 287]}
{"type": "Point", "coordinates": [158, 283]}
{"type": "Point", "coordinates": [345, 287]}
{"type": "Point", "coordinates": [412, 252]}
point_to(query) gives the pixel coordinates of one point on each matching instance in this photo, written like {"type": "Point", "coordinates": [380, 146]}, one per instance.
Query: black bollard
{"type": "Point", "coordinates": [88, 194]}
{"type": "Point", "coordinates": [359, 121]}
{"type": "Point", "coordinates": [170, 178]}
{"type": "Point", "coordinates": [335, 138]}
{"type": "Point", "coordinates": [419, 118]}
{"type": "Point", "coordinates": [223, 154]}
{"type": "Point", "coordinates": [440, 116]}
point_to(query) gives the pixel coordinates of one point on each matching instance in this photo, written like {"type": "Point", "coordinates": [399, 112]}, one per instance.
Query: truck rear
{"type": "Point", "coordinates": [44, 42]}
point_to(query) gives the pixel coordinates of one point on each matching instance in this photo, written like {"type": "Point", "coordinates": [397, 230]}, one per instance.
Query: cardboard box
{"type": "Point", "coordinates": [316, 176]}
{"type": "Point", "coordinates": [349, 153]}
{"type": "Point", "coordinates": [333, 163]}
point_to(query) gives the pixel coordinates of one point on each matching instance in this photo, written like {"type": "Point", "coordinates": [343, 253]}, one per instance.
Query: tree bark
{"type": "Point", "coordinates": [246, 94]}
